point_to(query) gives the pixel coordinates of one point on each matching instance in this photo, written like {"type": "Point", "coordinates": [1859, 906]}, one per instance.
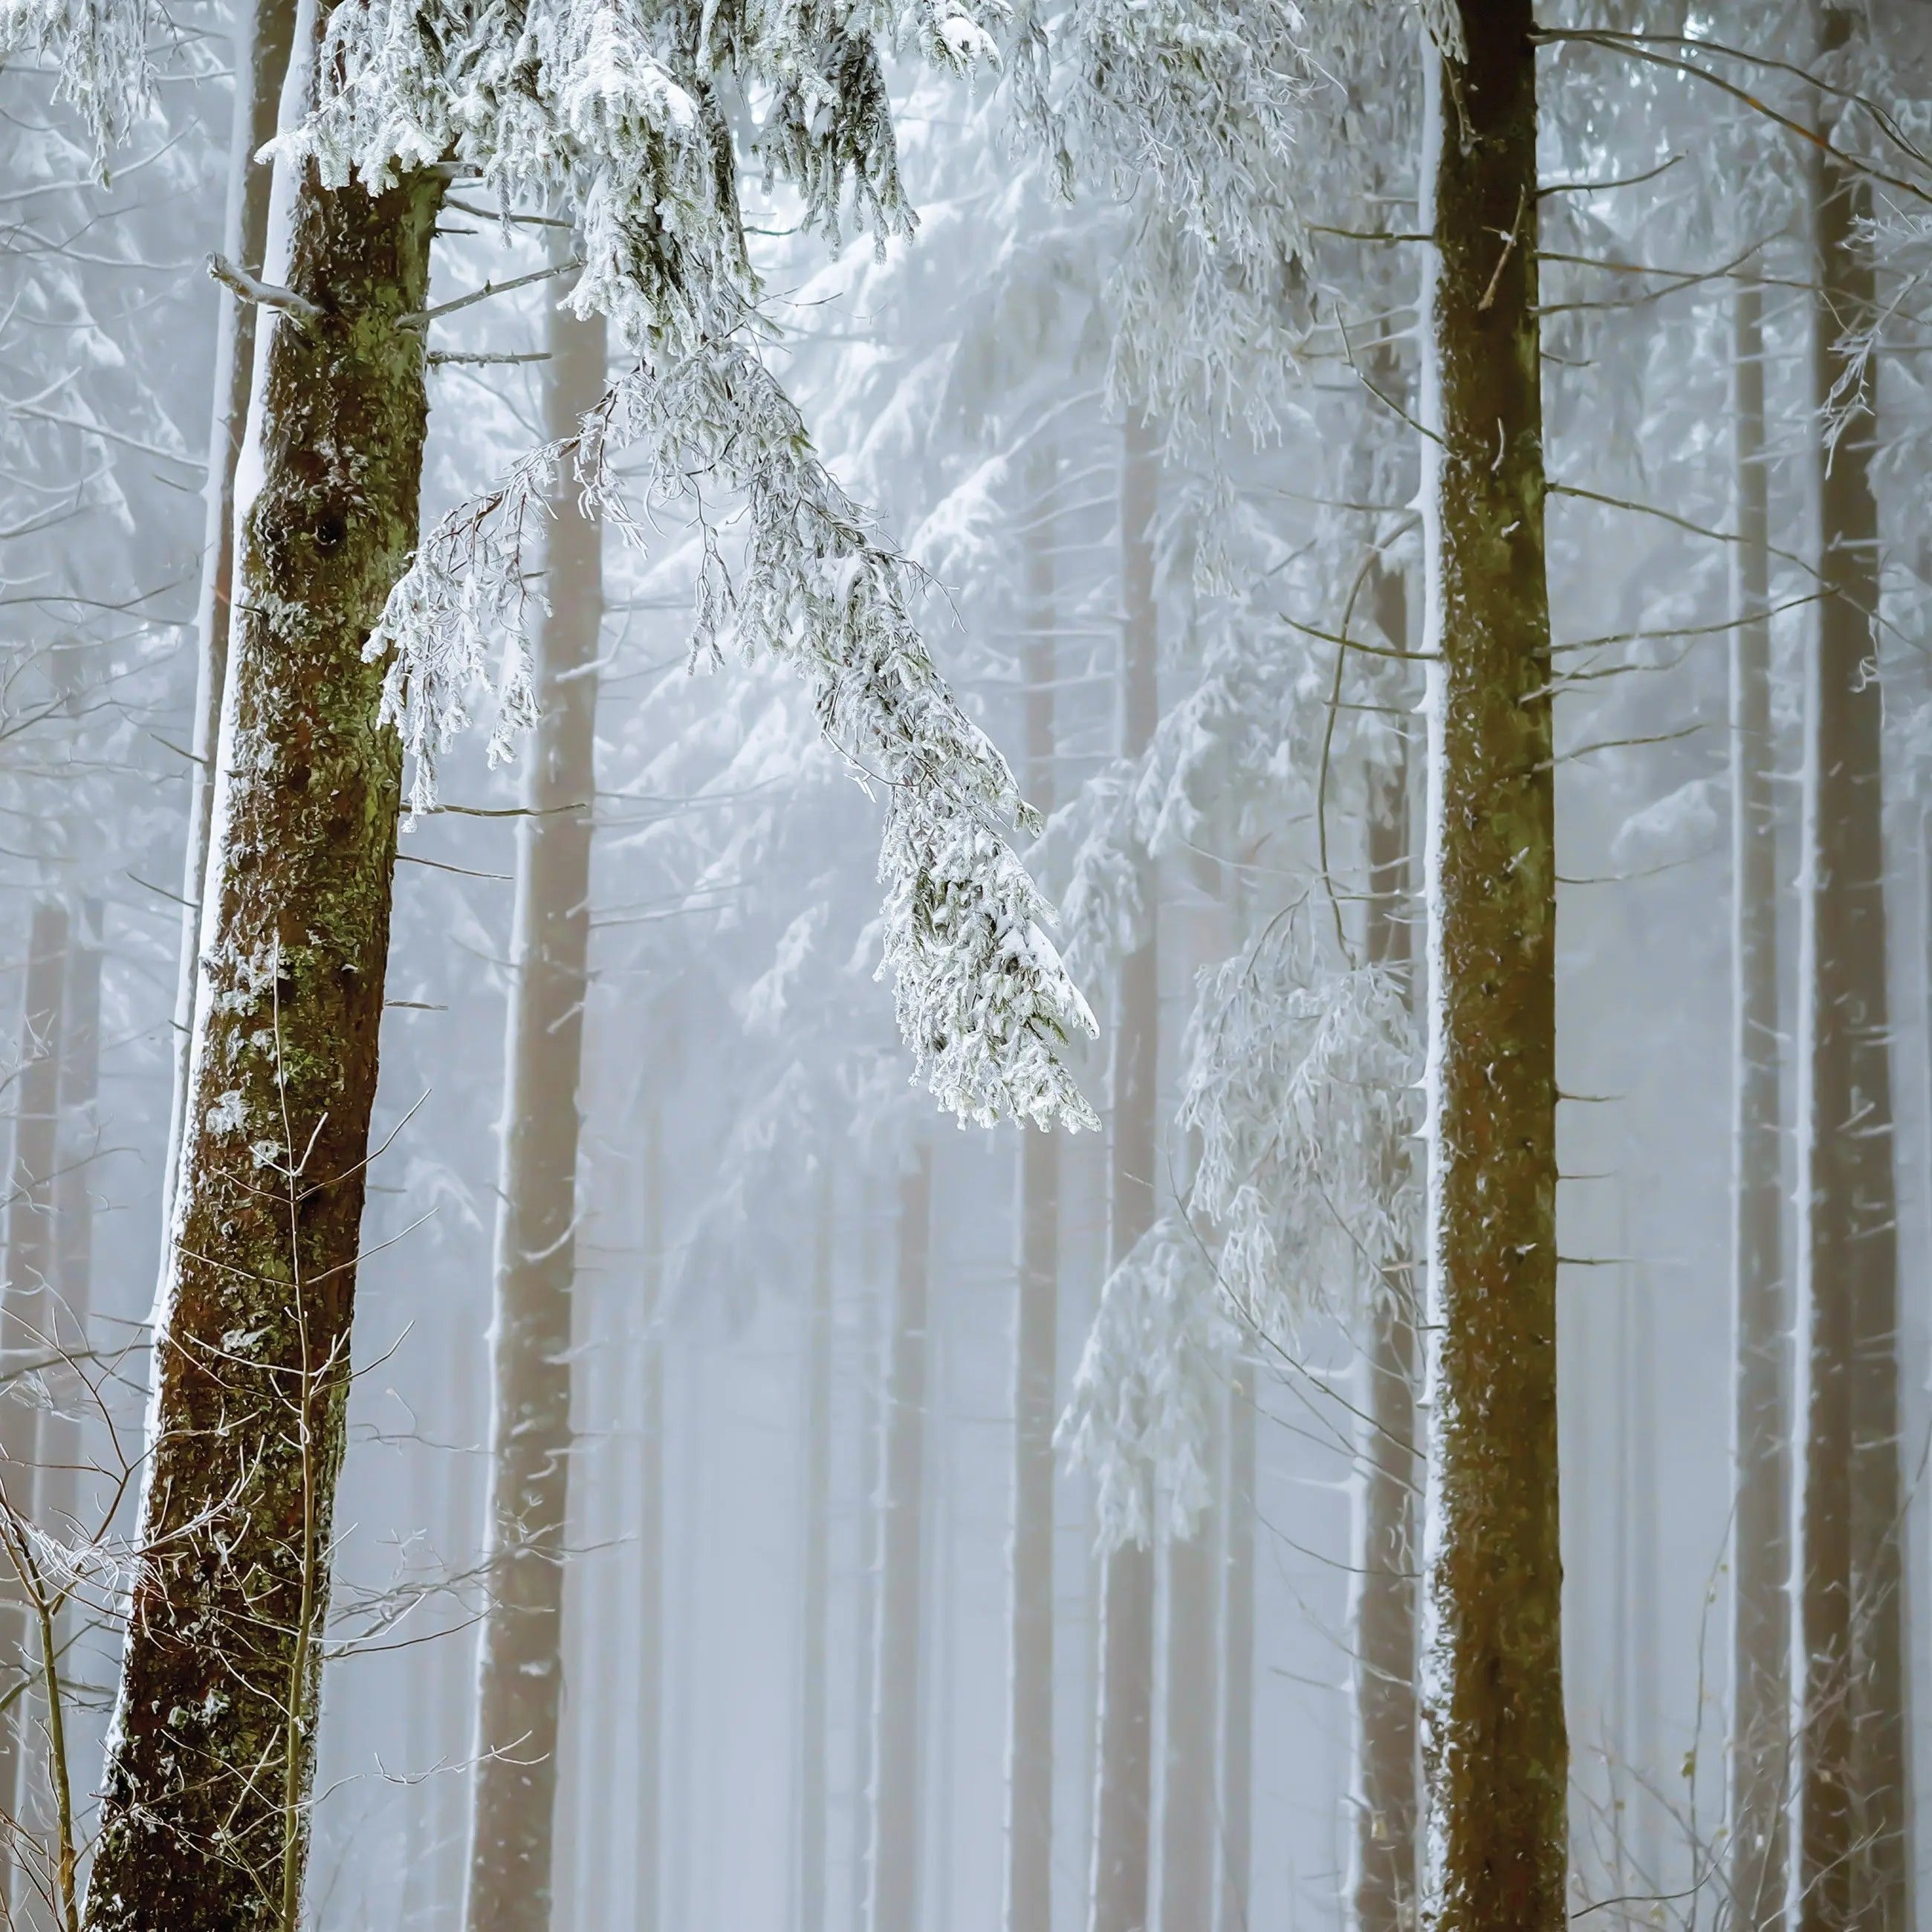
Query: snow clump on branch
{"type": "Point", "coordinates": [1138, 1418]}
{"type": "Point", "coordinates": [622, 115]}
{"type": "Point", "coordinates": [1302, 1082]}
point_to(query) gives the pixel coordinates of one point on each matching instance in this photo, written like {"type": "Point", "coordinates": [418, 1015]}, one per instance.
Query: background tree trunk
{"type": "Point", "coordinates": [1036, 1335]}
{"type": "Point", "coordinates": [1761, 1634]}
{"type": "Point", "coordinates": [813, 1739]}
{"type": "Point", "coordinates": [865, 1638]}
{"type": "Point", "coordinates": [265, 33]}
{"type": "Point", "coordinates": [894, 1858]}
{"type": "Point", "coordinates": [1852, 1833]}
{"type": "Point", "coordinates": [1124, 1782]}
{"type": "Point", "coordinates": [1386, 1594]}
{"type": "Point", "coordinates": [520, 1666]}
{"type": "Point", "coordinates": [26, 1310]}
{"type": "Point", "coordinates": [1187, 1833]}
{"type": "Point", "coordinates": [1237, 1655]}
{"type": "Point", "coordinates": [648, 1816]}
{"type": "Point", "coordinates": [205, 1813]}
{"type": "Point", "coordinates": [1495, 1748]}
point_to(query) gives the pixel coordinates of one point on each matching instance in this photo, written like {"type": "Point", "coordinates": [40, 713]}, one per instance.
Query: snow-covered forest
{"type": "Point", "coordinates": [965, 965]}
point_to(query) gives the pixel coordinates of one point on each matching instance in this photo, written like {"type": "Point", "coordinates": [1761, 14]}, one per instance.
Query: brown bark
{"type": "Point", "coordinates": [204, 1813]}
{"type": "Point", "coordinates": [1853, 1844]}
{"type": "Point", "coordinates": [1035, 1338]}
{"type": "Point", "coordinates": [1124, 1777]}
{"type": "Point", "coordinates": [1237, 1655]}
{"type": "Point", "coordinates": [1386, 1595]}
{"type": "Point", "coordinates": [894, 1852]}
{"type": "Point", "coordinates": [813, 1737]}
{"type": "Point", "coordinates": [27, 1303]}
{"type": "Point", "coordinates": [265, 32]}
{"type": "Point", "coordinates": [520, 1664]}
{"type": "Point", "coordinates": [1761, 1614]}
{"type": "Point", "coordinates": [1496, 1753]}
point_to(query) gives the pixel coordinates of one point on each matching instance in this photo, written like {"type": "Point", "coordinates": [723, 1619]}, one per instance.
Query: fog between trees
{"type": "Point", "coordinates": [970, 966]}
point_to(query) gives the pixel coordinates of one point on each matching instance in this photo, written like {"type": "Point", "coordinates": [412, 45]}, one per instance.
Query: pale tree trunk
{"type": "Point", "coordinates": [648, 1811]}
{"type": "Point", "coordinates": [1124, 1778]}
{"type": "Point", "coordinates": [1187, 1821]}
{"type": "Point", "coordinates": [264, 31]}
{"type": "Point", "coordinates": [1761, 1614]}
{"type": "Point", "coordinates": [894, 1850]}
{"type": "Point", "coordinates": [1386, 1593]}
{"type": "Point", "coordinates": [813, 1737]}
{"type": "Point", "coordinates": [1496, 1751]}
{"type": "Point", "coordinates": [1237, 1655]}
{"type": "Point", "coordinates": [1036, 1335]}
{"type": "Point", "coordinates": [26, 1307]}
{"type": "Point", "coordinates": [520, 1662]}
{"type": "Point", "coordinates": [204, 1818]}
{"type": "Point", "coordinates": [1853, 1847]}
{"type": "Point", "coordinates": [865, 1619]}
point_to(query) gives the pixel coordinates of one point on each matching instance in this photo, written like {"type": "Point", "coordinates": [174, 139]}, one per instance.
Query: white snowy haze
{"type": "Point", "coordinates": [1103, 492]}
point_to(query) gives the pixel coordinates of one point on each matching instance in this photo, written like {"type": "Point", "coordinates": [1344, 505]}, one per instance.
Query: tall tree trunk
{"type": "Point", "coordinates": [813, 1737]}
{"type": "Point", "coordinates": [1123, 1789]}
{"type": "Point", "coordinates": [519, 1663]}
{"type": "Point", "coordinates": [1187, 1822]}
{"type": "Point", "coordinates": [79, 1144]}
{"type": "Point", "coordinates": [1036, 1335]}
{"type": "Point", "coordinates": [1760, 1569]}
{"type": "Point", "coordinates": [212, 1751]}
{"type": "Point", "coordinates": [26, 1309]}
{"type": "Point", "coordinates": [1386, 1595]}
{"type": "Point", "coordinates": [1495, 1749]}
{"type": "Point", "coordinates": [895, 1851]}
{"type": "Point", "coordinates": [1237, 1655]}
{"type": "Point", "coordinates": [265, 32]}
{"type": "Point", "coordinates": [650, 1534]}
{"type": "Point", "coordinates": [1853, 1848]}
{"type": "Point", "coordinates": [865, 1637]}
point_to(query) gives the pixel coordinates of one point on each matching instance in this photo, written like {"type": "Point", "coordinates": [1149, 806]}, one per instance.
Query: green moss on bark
{"type": "Point", "coordinates": [209, 1767]}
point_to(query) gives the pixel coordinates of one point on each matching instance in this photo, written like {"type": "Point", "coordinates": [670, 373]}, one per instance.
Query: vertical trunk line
{"type": "Point", "coordinates": [1029, 1764]}
{"type": "Point", "coordinates": [261, 64]}
{"type": "Point", "coordinates": [1854, 1848]}
{"type": "Point", "coordinates": [1386, 1593]}
{"type": "Point", "coordinates": [812, 1732]}
{"type": "Point", "coordinates": [212, 1747]}
{"type": "Point", "coordinates": [520, 1668]}
{"type": "Point", "coordinates": [27, 1304]}
{"type": "Point", "coordinates": [1238, 1654]}
{"type": "Point", "coordinates": [895, 1847]}
{"type": "Point", "coordinates": [1761, 1628]}
{"type": "Point", "coordinates": [1495, 1749]}
{"type": "Point", "coordinates": [648, 1811]}
{"type": "Point", "coordinates": [1124, 1782]}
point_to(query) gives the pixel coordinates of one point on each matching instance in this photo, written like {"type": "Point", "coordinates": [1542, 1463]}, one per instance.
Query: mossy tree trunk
{"type": "Point", "coordinates": [519, 1660]}
{"type": "Point", "coordinates": [1496, 1751]}
{"type": "Point", "coordinates": [266, 33]}
{"type": "Point", "coordinates": [1036, 1335]}
{"type": "Point", "coordinates": [1761, 1611]}
{"type": "Point", "coordinates": [204, 1818]}
{"type": "Point", "coordinates": [1124, 1770]}
{"type": "Point", "coordinates": [1853, 1843]}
